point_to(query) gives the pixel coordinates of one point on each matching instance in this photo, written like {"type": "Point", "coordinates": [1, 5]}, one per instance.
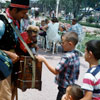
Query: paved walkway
{"type": "Point", "coordinates": [90, 29]}
{"type": "Point", "coordinates": [49, 88]}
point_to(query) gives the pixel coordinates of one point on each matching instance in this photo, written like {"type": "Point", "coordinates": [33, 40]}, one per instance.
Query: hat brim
{"type": "Point", "coordinates": [19, 6]}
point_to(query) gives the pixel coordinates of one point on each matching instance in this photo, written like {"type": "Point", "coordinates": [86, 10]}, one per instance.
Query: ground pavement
{"type": "Point", "coordinates": [49, 88]}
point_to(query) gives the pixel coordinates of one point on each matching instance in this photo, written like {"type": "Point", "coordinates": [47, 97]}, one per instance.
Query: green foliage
{"type": "Point", "coordinates": [5, 5]}
{"type": "Point", "coordinates": [96, 25]}
{"type": "Point", "coordinates": [69, 6]}
{"type": "Point", "coordinates": [60, 19]}
{"type": "Point", "coordinates": [47, 4]}
{"type": "Point", "coordinates": [90, 25]}
{"type": "Point", "coordinates": [87, 38]}
{"type": "Point", "coordinates": [37, 23]}
{"type": "Point", "coordinates": [64, 21]}
{"type": "Point", "coordinates": [90, 19]}
{"type": "Point", "coordinates": [97, 32]}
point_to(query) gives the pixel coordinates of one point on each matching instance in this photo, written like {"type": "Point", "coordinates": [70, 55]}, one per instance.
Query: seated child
{"type": "Point", "coordinates": [42, 32]}
{"type": "Point", "coordinates": [91, 80]}
{"type": "Point", "coordinates": [30, 37]}
{"type": "Point", "coordinates": [73, 92]}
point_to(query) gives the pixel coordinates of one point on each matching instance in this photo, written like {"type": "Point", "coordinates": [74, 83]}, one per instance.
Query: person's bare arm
{"type": "Point", "coordinates": [60, 28]}
{"type": "Point", "coordinates": [87, 96]}
{"type": "Point", "coordinates": [44, 28]}
{"type": "Point", "coordinates": [14, 57]}
{"type": "Point", "coordinates": [51, 68]}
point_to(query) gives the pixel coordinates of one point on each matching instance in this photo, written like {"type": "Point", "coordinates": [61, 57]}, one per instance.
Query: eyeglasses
{"type": "Point", "coordinates": [62, 42]}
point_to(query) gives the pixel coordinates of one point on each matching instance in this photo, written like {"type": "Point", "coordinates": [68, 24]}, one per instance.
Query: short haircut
{"type": "Point", "coordinates": [42, 21]}
{"type": "Point", "coordinates": [75, 20]}
{"type": "Point", "coordinates": [71, 36]}
{"type": "Point", "coordinates": [94, 47]}
{"type": "Point", "coordinates": [46, 21]}
{"type": "Point", "coordinates": [76, 92]}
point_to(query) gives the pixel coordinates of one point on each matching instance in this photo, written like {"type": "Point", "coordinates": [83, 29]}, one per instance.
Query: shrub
{"type": "Point", "coordinates": [90, 19]}
{"type": "Point", "coordinates": [87, 38]}
{"type": "Point", "coordinates": [89, 24]}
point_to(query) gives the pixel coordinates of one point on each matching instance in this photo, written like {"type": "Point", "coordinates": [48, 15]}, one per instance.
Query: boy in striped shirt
{"type": "Point", "coordinates": [91, 80]}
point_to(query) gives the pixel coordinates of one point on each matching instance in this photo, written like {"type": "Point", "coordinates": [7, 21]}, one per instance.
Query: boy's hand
{"type": "Point", "coordinates": [40, 58]}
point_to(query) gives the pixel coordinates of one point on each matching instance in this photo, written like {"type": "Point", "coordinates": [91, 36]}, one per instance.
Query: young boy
{"type": "Point", "coordinates": [67, 70]}
{"type": "Point", "coordinates": [73, 92]}
{"type": "Point", "coordinates": [91, 80]}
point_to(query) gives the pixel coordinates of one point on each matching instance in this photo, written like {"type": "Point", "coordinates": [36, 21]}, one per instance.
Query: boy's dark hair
{"type": "Point", "coordinates": [71, 36]}
{"type": "Point", "coordinates": [42, 21]}
{"type": "Point", "coordinates": [94, 47]}
{"type": "Point", "coordinates": [76, 92]}
{"type": "Point", "coordinates": [46, 21]}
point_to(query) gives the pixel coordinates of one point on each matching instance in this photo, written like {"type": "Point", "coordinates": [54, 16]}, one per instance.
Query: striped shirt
{"type": "Point", "coordinates": [68, 69]}
{"type": "Point", "coordinates": [91, 81]}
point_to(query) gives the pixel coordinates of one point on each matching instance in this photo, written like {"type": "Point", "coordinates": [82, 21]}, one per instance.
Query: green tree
{"type": "Point", "coordinates": [48, 4]}
{"type": "Point", "coordinates": [75, 6]}
{"type": "Point", "coordinates": [72, 6]}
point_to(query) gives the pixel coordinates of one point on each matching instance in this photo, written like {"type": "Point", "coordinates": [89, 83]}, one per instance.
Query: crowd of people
{"type": "Point", "coordinates": [68, 68]}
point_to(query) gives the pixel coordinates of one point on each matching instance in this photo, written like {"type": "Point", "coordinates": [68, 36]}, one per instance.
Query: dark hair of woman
{"type": "Point", "coordinates": [54, 19]}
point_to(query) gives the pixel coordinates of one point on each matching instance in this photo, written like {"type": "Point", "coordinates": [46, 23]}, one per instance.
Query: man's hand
{"type": "Point", "coordinates": [14, 57]}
